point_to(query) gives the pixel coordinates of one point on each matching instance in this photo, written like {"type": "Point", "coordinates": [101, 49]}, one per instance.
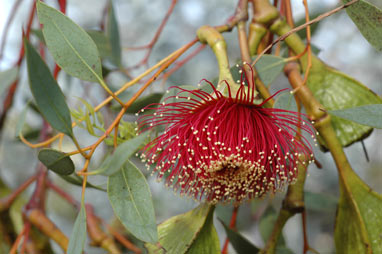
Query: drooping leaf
{"type": "Point", "coordinates": [57, 161]}
{"type": "Point", "coordinates": [370, 115]}
{"type": "Point", "coordinates": [77, 180]}
{"type": "Point", "coordinates": [207, 241]}
{"type": "Point", "coordinates": [130, 197]}
{"type": "Point", "coordinates": [78, 235]}
{"type": "Point", "coordinates": [113, 34]}
{"type": "Point", "coordinates": [7, 78]}
{"type": "Point", "coordinates": [368, 19]}
{"type": "Point", "coordinates": [184, 228]}
{"type": "Point", "coordinates": [114, 162]}
{"type": "Point", "coordinates": [269, 67]}
{"type": "Point", "coordinates": [71, 47]}
{"type": "Point", "coordinates": [49, 98]}
{"type": "Point", "coordinates": [335, 90]}
{"type": "Point", "coordinates": [239, 242]}
{"type": "Point", "coordinates": [359, 218]}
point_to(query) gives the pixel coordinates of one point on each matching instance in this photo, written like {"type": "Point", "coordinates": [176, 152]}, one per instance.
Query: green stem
{"type": "Point", "coordinates": [256, 34]}
{"type": "Point", "coordinates": [209, 35]}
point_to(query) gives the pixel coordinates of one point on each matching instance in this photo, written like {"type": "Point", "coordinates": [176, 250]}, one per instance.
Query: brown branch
{"type": "Point", "coordinates": [8, 25]}
{"type": "Point", "coordinates": [151, 44]}
{"type": "Point", "coordinates": [232, 225]}
{"type": "Point", "coordinates": [5, 203]}
{"type": "Point", "coordinates": [96, 234]}
{"type": "Point", "coordinates": [47, 227]}
{"type": "Point", "coordinates": [120, 238]}
{"type": "Point", "coordinates": [322, 16]}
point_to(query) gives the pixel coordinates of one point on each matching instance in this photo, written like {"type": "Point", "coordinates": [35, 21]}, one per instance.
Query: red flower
{"type": "Point", "coordinates": [225, 148]}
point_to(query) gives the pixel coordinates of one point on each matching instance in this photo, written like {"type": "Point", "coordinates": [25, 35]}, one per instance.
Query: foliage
{"type": "Point", "coordinates": [342, 110]}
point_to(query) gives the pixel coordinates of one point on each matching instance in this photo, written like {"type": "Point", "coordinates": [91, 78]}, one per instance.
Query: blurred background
{"type": "Point", "coordinates": [340, 45]}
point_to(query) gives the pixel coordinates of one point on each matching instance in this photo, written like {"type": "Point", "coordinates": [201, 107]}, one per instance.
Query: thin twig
{"type": "Point", "coordinates": [322, 16]}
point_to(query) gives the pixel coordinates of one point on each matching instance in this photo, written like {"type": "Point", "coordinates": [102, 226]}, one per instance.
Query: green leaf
{"type": "Point", "coordinates": [370, 115]}
{"type": "Point", "coordinates": [359, 218]}
{"type": "Point", "coordinates": [239, 242]}
{"type": "Point", "coordinates": [7, 78]}
{"type": "Point", "coordinates": [48, 96]}
{"type": "Point", "coordinates": [56, 161]}
{"type": "Point", "coordinates": [269, 67]}
{"type": "Point", "coordinates": [143, 102]}
{"type": "Point", "coordinates": [78, 236]}
{"type": "Point", "coordinates": [130, 197]}
{"type": "Point", "coordinates": [286, 101]}
{"type": "Point", "coordinates": [102, 43]}
{"type": "Point", "coordinates": [320, 202]}
{"type": "Point", "coordinates": [207, 240]}
{"type": "Point", "coordinates": [113, 34]}
{"type": "Point", "coordinates": [368, 19]}
{"type": "Point", "coordinates": [114, 162]}
{"type": "Point", "coordinates": [71, 47]}
{"type": "Point", "coordinates": [77, 180]}
{"type": "Point", "coordinates": [184, 228]}
{"type": "Point", "coordinates": [335, 91]}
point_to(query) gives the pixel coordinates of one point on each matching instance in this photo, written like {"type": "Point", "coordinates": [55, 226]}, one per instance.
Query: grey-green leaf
{"type": "Point", "coordinates": [130, 197]}
{"type": "Point", "coordinates": [114, 162]}
{"type": "Point", "coordinates": [78, 235]}
{"type": "Point", "coordinates": [269, 67]}
{"type": "Point", "coordinates": [7, 78]}
{"type": "Point", "coordinates": [286, 101]}
{"type": "Point", "coordinates": [102, 42]}
{"type": "Point", "coordinates": [71, 47]}
{"type": "Point", "coordinates": [113, 34]}
{"type": "Point", "coordinates": [239, 243]}
{"type": "Point", "coordinates": [368, 19]}
{"type": "Point", "coordinates": [56, 161]}
{"type": "Point", "coordinates": [370, 115]}
{"type": "Point", "coordinates": [77, 180]}
{"type": "Point", "coordinates": [48, 96]}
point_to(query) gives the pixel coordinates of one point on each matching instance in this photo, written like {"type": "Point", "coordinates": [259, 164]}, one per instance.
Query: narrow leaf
{"type": "Point", "coordinates": [370, 115]}
{"type": "Point", "coordinates": [113, 34]}
{"type": "Point", "coordinates": [56, 161]}
{"type": "Point", "coordinates": [7, 78]}
{"type": "Point", "coordinates": [368, 19]}
{"type": "Point", "coordinates": [71, 47]}
{"type": "Point", "coordinates": [239, 243]}
{"type": "Point", "coordinates": [184, 228]}
{"type": "Point", "coordinates": [77, 180]}
{"type": "Point", "coordinates": [130, 197]}
{"type": "Point", "coordinates": [144, 101]}
{"type": "Point", "coordinates": [48, 96]}
{"type": "Point", "coordinates": [114, 162]}
{"type": "Point", "coordinates": [78, 236]}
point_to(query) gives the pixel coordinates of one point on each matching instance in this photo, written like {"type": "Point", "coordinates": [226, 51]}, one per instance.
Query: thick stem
{"type": "Point", "coordinates": [256, 34]}
{"type": "Point", "coordinates": [46, 226]}
{"type": "Point", "coordinates": [209, 35]}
